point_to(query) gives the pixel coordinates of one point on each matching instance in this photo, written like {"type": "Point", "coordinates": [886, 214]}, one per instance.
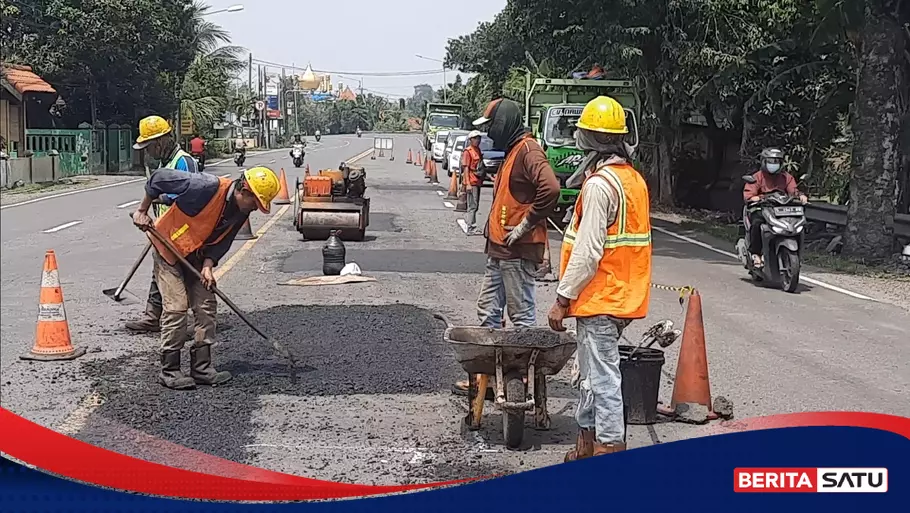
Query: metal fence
{"type": "Point", "coordinates": [837, 215]}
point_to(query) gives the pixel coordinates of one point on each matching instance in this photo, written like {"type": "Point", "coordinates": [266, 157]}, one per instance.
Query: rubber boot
{"type": "Point", "coordinates": [584, 446]}
{"type": "Point", "coordinates": [149, 323]}
{"type": "Point", "coordinates": [201, 368]}
{"type": "Point", "coordinates": [601, 449]}
{"type": "Point", "coordinates": [171, 375]}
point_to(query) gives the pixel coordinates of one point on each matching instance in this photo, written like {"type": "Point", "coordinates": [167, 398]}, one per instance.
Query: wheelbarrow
{"type": "Point", "coordinates": [520, 359]}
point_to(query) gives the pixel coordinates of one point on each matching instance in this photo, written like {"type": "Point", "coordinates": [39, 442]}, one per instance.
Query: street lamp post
{"type": "Point", "coordinates": [233, 8]}
{"type": "Point", "coordinates": [445, 83]}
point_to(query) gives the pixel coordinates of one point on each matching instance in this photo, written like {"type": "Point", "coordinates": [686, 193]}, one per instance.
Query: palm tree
{"type": "Point", "coordinates": [205, 93]}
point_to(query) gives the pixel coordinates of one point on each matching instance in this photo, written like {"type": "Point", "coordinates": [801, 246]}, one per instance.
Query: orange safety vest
{"type": "Point", "coordinates": [621, 287]}
{"type": "Point", "coordinates": [189, 233]}
{"type": "Point", "coordinates": [507, 212]}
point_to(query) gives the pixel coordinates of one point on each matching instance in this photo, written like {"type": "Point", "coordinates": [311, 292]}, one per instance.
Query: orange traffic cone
{"type": "Point", "coordinates": [426, 168]}
{"type": "Point", "coordinates": [282, 198]}
{"type": "Point", "coordinates": [418, 162]}
{"type": "Point", "coordinates": [453, 187]}
{"type": "Point", "coordinates": [409, 161]}
{"type": "Point", "coordinates": [692, 384]}
{"type": "Point", "coordinates": [52, 340]}
{"type": "Point", "coordinates": [434, 178]}
{"type": "Point", "coordinates": [246, 232]}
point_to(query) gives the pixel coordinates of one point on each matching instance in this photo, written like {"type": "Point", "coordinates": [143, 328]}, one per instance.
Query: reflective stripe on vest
{"type": "Point", "coordinates": [507, 212]}
{"type": "Point", "coordinates": [621, 285]}
{"type": "Point", "coordinates": [189, 233]}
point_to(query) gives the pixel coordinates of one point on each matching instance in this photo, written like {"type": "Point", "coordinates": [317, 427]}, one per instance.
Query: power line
{"type": "Point", "coordinates": [411, 73]}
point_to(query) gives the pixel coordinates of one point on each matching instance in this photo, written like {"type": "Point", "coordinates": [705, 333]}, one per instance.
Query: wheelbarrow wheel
{"type": "Point", "coordinates": [513, 422]}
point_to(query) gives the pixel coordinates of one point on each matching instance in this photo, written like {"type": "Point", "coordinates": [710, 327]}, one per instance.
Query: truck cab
{"type": "Point", "coordinates": [440, 116]}
{"type": "Point", "coordinates": [552, 109]}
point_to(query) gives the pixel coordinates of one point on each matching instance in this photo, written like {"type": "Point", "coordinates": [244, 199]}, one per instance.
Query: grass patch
{"type": "Point", "coordinates": [32, 188]}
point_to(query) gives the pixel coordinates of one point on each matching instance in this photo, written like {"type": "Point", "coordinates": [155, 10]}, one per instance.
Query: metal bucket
{"type": "Point", "coordinates": [640, 383]}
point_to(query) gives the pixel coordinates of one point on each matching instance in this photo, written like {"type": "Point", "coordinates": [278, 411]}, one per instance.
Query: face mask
{"type": "Point", "coordinates": [773, 168]}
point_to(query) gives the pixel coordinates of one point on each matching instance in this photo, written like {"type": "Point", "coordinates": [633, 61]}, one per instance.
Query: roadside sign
{"type": "Point", "coordinates": [260, 105]}
{"type": "Point", "coordinates": [186, 126]}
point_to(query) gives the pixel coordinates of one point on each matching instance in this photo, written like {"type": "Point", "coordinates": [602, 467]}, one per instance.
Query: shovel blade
{"type": "Point", "coordinates": [125, 298]}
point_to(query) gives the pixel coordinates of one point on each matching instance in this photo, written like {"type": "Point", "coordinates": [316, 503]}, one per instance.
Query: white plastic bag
{"type": "Point", "coordinates": [352, 269]}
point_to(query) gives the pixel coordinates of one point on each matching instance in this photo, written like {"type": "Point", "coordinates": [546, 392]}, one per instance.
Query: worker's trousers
{"type": "Point", "coordinates": [154, 299]}
{"type": "Point", "coordinates": [473, 206]}
{"type": "Point", "coordinates": [600, 392]}
{"type": "Point", "coordinates": [507, 284]}
{"type": "Point", "coordinates": [181, 292]}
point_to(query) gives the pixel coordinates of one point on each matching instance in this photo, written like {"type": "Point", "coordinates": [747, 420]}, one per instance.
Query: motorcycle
{"type": "Point", "coordinates": [318, 136]}
{"type": "Point", "coordinates": [782, 238]}
{"type": "Point", "coordinates": [297, 154]}
{"type": "Point", "coordinates": [239, 158]}
{"type": "Point", "coordinates": [358, 133]}
{"type": "Point", "coordinates": [200, 161]}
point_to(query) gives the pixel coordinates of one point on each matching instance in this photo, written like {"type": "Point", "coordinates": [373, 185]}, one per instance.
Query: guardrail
{"type": "Point", "coordinates": [837, 214]}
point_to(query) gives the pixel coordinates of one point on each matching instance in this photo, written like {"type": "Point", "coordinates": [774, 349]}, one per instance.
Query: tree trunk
{"type": "Point", "coordinates": [665, 139]}
{"type": "Point", "coordinates": [876, 128]}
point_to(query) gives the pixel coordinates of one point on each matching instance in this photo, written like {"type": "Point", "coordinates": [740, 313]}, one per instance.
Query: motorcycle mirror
{"type": "Point", "coordinates": [749, 179]}
{"type": "Point", "coordinates": [803, 177]}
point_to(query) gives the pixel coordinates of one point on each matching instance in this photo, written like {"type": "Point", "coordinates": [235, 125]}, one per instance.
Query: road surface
{"type": "Point", "coordinates": [373, 404]}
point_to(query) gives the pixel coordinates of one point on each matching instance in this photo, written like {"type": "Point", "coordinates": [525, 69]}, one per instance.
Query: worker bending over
{"type": "Point", "coordinates": [156, 138]}
{"type": "Point", "coordinates": [524, 195]}
{"type": "Point", "coordinates": [205, 217]}
{"type": "Point", "coordinates": [605, 272]}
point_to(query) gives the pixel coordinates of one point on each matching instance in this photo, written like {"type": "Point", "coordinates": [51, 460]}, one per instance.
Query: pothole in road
{"type": "Point", "coordinates": [393, 260]}
{"type": "Point", "coordinates": [388, 349]}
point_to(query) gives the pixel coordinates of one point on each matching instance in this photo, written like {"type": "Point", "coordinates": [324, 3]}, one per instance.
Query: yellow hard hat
{"type": "Point", "coordinates": [263, 183]}
{"type": "Point", "coordinates": [603, 114]}
{"type": "Point", "coordinates": [151, 127]}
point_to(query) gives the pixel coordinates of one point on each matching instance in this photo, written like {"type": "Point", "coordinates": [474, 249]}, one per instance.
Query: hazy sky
{"type": "Point", "coordinates": [355, 35]}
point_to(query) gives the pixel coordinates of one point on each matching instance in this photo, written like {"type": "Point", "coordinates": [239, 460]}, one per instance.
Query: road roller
{"type": "Point", "coordinates": [332, 199]}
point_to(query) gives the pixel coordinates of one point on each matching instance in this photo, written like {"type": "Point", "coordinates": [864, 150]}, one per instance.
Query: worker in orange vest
{"type": "Point", "coordinates": [201, 224]}
{"type": "Point", "coordinates": [525, 193]}
{"type": "Point", "coordinates": [605, 271]}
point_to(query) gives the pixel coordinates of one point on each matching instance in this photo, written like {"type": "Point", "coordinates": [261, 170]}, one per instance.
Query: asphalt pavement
{"type": "Point", "coordinates": [372, 403]}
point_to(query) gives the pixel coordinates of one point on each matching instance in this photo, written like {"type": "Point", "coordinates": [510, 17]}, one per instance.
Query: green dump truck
{"type": "Point", "coordinates": [440, 116]}
{"type": "Point", "coordinates": [553, 106]}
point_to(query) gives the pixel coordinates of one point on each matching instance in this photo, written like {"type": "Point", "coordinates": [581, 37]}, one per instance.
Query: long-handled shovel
{"type": "Point", "coordinates": [275, 344]}
{"type": "Point", "coordinates": [116, 294]}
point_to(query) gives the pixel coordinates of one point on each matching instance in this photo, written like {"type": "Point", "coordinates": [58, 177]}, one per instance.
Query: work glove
{"type": "Point", "coordinates": [518, 232]}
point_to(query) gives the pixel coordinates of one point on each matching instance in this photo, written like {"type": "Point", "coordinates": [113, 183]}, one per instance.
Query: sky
{"type": "Point", "coordinates": [355, 36]}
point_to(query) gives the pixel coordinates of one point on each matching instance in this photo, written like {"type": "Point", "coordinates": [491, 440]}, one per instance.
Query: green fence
{"type": "Point", "coordinates": [83, 151]}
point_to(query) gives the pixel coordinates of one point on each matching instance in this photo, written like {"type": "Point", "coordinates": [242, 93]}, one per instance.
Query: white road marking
{"type": "Point", "coordinates": [448, 204]}
{"type": "Point", "coordinates": [463, 225]}
{"type": "Point", "coordinates": [272, 161]}
{"type": "Point", "coordinates": [128, 204]}
{"type": "Point", "coordinates": [807, 279]}
{"type": "Point", "coordinates": [228, 175]}
{"type": "Point", "coordinates": [440, 193]}
{"type": "Point", "coordinates": [63, 226]}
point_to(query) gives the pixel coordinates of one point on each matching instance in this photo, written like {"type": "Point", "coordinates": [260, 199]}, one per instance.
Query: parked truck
{"type": "Point", "coordinates": [553, 106]}
{"type": "Point", "coordinates": [440, 116]}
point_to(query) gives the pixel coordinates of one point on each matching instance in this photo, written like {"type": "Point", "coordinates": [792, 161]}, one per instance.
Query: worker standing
{"type": "Point", "coordinates": [472, 179]}
{"type": "Point", "coordinates": [205, 217]}
{"type": "Point", "coordinates": [156, 138]}
{"type": "Point", "coordinates": [524, 195]}
{"type": "Point", "coordinates": [605, 272]}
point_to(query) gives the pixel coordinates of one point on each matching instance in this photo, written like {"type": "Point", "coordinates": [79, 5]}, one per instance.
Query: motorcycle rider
{"type": "Point", "coordinates": [298, 143]}
{"type": "Point", "coordinates": [197, 149]}
{"type": "Point", "coordinates": [240, 151]}
{"type": "Point", "coordinates": [318, 134]}
{"type": "Point", "coordinates": [770, 177]}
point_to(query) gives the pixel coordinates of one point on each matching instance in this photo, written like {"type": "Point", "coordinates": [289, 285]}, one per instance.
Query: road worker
{"type": "Point", "coordinates": [605, 272]}
{"type": "Point", "coordinates": [206, 215]}
{"type": "Point", "coordinates": [524, 195]}
{"type": "Point", "coordinates": [472, 171]}
{"type": "Point", "coordinates": [156, 138]}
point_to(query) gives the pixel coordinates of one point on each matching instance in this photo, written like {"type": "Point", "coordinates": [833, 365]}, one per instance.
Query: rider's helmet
{"type": "Point", "coordinates": [772, 159]}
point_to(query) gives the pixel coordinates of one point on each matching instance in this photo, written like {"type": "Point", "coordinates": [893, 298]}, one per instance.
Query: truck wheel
{"type": "Point", "coordinates": [513, 422]}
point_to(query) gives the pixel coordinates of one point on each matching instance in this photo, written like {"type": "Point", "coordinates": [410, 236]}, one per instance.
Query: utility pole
{"type": "Point", "coordinates": [361, 87]}
{"type": "Point", "coordinates": [282, 104]}
{"type": "Point", "coordinates": [250, 86]}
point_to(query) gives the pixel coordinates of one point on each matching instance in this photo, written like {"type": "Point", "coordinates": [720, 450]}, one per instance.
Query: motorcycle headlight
{"type": "Point", "coordinates": [776, 229]}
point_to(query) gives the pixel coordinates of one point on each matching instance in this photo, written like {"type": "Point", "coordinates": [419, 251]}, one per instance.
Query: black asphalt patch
{"type": "Point", "coordinates": [382, 222]}
{"type": "Point", "coordinates": [393, 260]}
{"type": "Point", "coordinates": [389, 349]}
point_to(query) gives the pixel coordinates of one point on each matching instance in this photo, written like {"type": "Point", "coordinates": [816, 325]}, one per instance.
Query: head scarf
{"type": "Point", "coordinates": [599, 147]}
{"type": "Point", "coordinates": [506, 125]}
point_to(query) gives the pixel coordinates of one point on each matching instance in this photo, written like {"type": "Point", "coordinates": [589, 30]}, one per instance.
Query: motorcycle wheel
{"type": "Point", "coordinates": [788, 263]}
